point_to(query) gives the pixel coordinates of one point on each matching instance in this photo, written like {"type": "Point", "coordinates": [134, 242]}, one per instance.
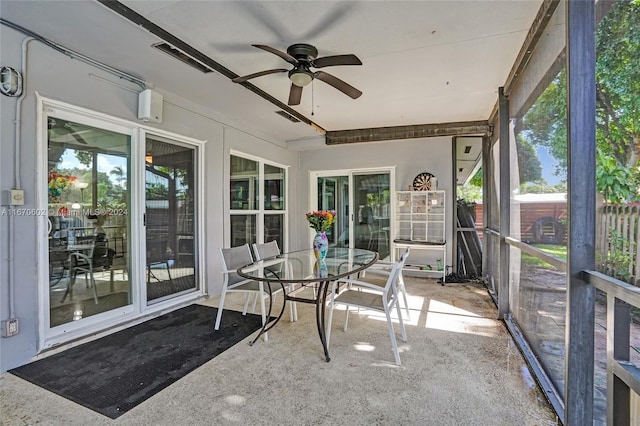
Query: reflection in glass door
{"type": "Point", "coordinates": [88, 211]}
{"type": "Point", "coordinates": [333, 194]}
{"type": "Point", "coordinates": [169, 219]}
{"type": "Point", "coordinates": [368, 214]}
{"type": "Point", "coordinates": [274, 204]}
{"type": "Point", "coordinates": [372, 213]}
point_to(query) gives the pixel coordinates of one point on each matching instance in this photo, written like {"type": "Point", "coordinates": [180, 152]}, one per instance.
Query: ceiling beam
{"type": "Point", "coordinates": [134, 17]}
{"type": "Point", "coordinates": [407, 132]}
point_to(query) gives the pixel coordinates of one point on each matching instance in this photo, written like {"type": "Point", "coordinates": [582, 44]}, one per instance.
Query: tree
{"type": "Point", "coordinates": [119, 174]}
{"type": "Point", "coordinates": [618, 83]}
{"type": "Point", "coordinates": [545, 124]}
{"type": "Point", "coordinates": [528, 161]}
{"type": "Point", "coordinates": [617, 102]}
{"type": "Point", "coordinates": [84, 157]}
{"type": "Point", "coordinates": [617, 184]}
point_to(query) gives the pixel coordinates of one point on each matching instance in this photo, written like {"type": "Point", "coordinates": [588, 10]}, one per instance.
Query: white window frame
{"type": "Point", "coordinates": [260, 212]}
{"type": "Point", "coordinates": [350, 173]}
{"type": "Point", "coordinates": [62, 334]}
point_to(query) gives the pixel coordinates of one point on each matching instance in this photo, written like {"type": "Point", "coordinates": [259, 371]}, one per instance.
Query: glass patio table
{"type": "Point", "coordinates": [302, 267]}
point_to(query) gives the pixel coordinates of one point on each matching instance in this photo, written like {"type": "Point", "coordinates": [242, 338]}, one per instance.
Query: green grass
{"type": "Point", "coordinates": [557, 251]}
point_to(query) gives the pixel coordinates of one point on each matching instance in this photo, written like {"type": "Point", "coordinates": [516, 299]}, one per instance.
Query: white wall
{"type": "Point", "coordinates": [410, 157]}
{"type": "Point", "coordinates": [58, 77]}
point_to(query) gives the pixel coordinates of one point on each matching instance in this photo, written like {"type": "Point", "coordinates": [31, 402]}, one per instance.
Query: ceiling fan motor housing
{"type": "Point", "coordinates": [303, 52]}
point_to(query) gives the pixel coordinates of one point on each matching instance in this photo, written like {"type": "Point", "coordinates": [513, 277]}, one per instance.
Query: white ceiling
{"type": "Point", "coordinates": [424, 62]}
{"type": "Point", "coordinates": [468, 156]}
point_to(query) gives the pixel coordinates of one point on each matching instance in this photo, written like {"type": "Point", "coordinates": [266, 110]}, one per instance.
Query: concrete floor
{"type": "Point", "coordinates": [459, 367]}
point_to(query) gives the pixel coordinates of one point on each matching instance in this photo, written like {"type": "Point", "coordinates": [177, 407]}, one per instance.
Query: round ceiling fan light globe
{"type": "Point", "coordinates": [300, 78]}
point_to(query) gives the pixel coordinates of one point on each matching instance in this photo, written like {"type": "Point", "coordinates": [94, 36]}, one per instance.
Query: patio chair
{"type": "Point", "coordinates": [265, 251]}
{"type": "Point", "coordinates": [89, 256]}
{"type": "Point", "coordinates": [369, 296]}
{"type": "Point", "coordinates": [232, 259]}
{"type": "Point", "coordinates": [157, 256]}
{"type": "Point", "coordinates": [378, 273]}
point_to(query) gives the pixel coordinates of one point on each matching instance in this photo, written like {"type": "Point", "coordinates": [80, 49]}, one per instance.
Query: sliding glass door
{"type": "Point", "coordinates": [372, 212]}
{"type": "Point", "coordinates": [88, 193]}
{"type": "Point", "coordinates": [122, 222]}
{"type": "Point", "coordinates": [169, 218]}
{"type": "Point", "coordinates": [333, 194]}
{"type": "Point", "coordinates": [361, 200]}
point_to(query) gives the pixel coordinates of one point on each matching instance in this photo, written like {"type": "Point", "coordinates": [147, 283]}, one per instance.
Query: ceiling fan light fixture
{"type": "Point", "coordinates": [300, 77]}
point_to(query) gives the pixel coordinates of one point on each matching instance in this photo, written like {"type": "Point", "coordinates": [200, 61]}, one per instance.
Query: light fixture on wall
{"type": "Point", "coordinates": [10, 81]}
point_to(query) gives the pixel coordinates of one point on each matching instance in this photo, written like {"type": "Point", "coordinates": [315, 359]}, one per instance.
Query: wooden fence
{"type": "Point", "coordinates": [617, 242]}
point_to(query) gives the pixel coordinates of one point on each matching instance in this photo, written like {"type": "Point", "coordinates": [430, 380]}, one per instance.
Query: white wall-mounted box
{"type": "Point", "coordinates": [150, 106]}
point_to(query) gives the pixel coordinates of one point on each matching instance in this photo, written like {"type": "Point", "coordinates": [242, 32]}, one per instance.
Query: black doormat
{"type": "Point", "coordinates": [115, 373]}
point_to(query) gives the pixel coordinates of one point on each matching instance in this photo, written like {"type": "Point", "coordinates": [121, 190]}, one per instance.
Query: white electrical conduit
{"type": "Point", "coordinates": [17, 184]}
{"type": "Point", "coordinates": [78, 56]}
{"type": "Point", "coordinates": [18, 122]}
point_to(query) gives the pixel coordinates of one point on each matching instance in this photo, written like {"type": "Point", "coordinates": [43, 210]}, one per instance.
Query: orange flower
{"type": "Point", "coordinates": [321, 221]}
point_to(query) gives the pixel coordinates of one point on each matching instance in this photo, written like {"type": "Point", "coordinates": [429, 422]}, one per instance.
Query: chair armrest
{"type": "Point", "coordinates": [81, 256]}
{"type": "Point", "coordinates": [364, 284]}
{"type": "Point", "coordinates": [85, 266]}
{"type": "Point", "coordinates": [379, 268]}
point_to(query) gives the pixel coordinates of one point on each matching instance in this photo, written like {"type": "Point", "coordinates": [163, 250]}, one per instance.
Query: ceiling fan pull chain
{"type": "Point", "coordinates": [312, 101]}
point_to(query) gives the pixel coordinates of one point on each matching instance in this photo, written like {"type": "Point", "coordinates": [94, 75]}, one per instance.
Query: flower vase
{"type": "Point", "coordinates": [320, 269]}
{"type": "Point", "coordinates": [320, 245]}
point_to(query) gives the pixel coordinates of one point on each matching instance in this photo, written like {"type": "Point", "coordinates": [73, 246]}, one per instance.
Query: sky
{"type": "Point", "coordinates": [106, 163]}
{"type": "Point", "coordinates": [548, 164]}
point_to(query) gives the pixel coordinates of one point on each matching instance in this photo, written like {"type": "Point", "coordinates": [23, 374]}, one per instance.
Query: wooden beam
{"type": "Point", "coordinates": [407, 132]}
{"type": "Point", "coordinates": [189, 50]}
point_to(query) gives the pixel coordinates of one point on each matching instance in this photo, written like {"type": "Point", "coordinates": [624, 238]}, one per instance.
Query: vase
{"type": "Point", "coordinates": [320, 245]}
{"type": "Point", "coordinates": [320, 269]}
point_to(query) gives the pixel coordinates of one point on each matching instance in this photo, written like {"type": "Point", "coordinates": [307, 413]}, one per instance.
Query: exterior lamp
{"type": "Point", "coordinates": [82, 186]}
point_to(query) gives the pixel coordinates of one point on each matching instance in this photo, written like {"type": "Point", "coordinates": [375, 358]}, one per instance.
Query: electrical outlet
{"type": "Point", "coordinates": [10, 327]}
{"type": "Point", "coordinates": [13, 197]}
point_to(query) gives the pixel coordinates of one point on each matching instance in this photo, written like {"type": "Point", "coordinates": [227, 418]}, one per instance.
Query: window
{"type": "Point", "coordinates": [257, 192]}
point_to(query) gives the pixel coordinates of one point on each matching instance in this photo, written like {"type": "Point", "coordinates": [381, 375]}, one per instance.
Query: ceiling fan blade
{"type": "Point", "coordinates": [280, 53]}
{"type": "Point", "coordinates": [78, 138]}
{"type": "Point", "coordinates": [257, 74]}
{"type": "Point", "coordinates": [295, 94]}
{"type": "Point", "coordinates": [331, 80]}
{"type": "Point", "coordinates": [329, 61]}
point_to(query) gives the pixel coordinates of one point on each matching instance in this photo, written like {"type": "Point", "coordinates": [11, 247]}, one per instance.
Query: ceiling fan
{"type": "Point", "coordinates": [303, 57]}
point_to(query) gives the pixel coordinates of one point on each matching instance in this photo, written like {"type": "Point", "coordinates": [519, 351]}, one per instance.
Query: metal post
{"type": "Point", "coordinates": [505, 204]}
{"type": "Point", "coordinates": [486, 203]}
{"type": "Point", "coordinates": [618, 339]}
{"type": "Point", "coordinates": [581, 148]}
{"type": "Point", "coordinates": [454, 204]}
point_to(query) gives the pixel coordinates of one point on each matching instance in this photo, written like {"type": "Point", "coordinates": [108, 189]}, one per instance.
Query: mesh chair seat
{"type": "Point", "coordinates": [365, 295]}
{"type": "Point", "coordinates": [266, 251]}
{"type": "Point", "coordinates": [232, 259]}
